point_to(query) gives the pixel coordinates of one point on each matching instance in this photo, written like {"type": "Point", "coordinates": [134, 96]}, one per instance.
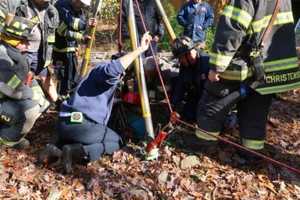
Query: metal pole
{"type": "Point", "coordinates": [165, 19]}
{"type": "Point", "coordinates": [140, 73]}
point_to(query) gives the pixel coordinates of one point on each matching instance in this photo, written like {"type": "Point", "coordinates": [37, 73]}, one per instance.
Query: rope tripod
{"type": "Point", "coordinates": [175, 120]}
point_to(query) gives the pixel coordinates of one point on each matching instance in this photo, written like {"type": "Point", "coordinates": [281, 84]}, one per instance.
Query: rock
{"type": "Point", "coordinates": [163, 177]}
{"type": "Point", "coordinates": [189, 162]}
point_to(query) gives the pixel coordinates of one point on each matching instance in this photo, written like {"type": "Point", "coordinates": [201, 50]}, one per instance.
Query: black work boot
{"type": "Point", "coordinates": [49, 153]}
{"type": "Point", "coordinates": [73, 153]}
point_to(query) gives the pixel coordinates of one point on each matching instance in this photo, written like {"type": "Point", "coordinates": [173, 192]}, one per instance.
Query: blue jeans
{"type": "Point", "coordinates": [96, 139]}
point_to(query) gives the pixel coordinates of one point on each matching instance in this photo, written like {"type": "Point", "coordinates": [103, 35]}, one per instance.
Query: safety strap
{"type": "Point", "coordinates": [257, 53]}
{"type": "Point", "coordinates": [268, 30]}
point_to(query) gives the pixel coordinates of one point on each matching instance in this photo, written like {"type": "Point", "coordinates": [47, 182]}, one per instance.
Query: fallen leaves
{"type": "Point", "coordinates": [178, 174]}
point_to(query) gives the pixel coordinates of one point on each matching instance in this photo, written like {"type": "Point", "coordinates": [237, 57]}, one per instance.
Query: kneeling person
{"type": "Point", "coordinates": [20, 104]}
{"type": "Point", "coordinates": [83, 134]}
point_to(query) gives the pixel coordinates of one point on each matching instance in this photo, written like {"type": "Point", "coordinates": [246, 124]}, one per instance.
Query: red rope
{"type": "Point", "coordinates": [278, 163]}
{"type": "Point", "coordinates": [155, 60]}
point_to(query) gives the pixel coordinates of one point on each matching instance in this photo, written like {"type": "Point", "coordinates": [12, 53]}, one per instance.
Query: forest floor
{"type": "Point", "coordinates": [183, 171]}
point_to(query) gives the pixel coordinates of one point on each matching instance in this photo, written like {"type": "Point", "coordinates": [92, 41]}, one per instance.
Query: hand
{"type": "Point", "coordinates": [86, 38]}
{"type": "Point", "coordinates": [156, 38]}
{"type": "Point", "coordinates": [213, 76]}
{"type": "Point", "coordinates": [92, 22]}
{"type": "Point", "coordinates": [145, 42]}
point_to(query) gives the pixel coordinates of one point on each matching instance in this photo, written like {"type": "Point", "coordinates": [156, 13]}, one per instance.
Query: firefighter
{"type": "Point", "coordinates": [20, 104]}
{"type": "Point", "coordinates": [193, 73]}
{"type": "Point", "coordinates": [83, 135]}
{"type": "Point", "coordinates": [151, 17]}
{"type": "Point", "coordinates": [237, 61]}
{"type": "Point", "coordinates": [69, 34]}
{"type": "Point", "coordinates": [39, 54]}
{"type": "Point", "coordinates": [196, 17]}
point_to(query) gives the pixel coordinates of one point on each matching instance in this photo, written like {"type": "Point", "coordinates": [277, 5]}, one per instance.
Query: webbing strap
{"type": "Point", "coordinates": [268, 30]}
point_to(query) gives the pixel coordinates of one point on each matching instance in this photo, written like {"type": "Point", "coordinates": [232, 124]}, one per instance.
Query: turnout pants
{"type": "Point", "coordinates": [96, 139]}
{"type": "Point", "coordinates": [252, 114]}
{"type": "Point", "coordinates": [18, 117]}
{"type": "Point", "coordinates": [66, 64]}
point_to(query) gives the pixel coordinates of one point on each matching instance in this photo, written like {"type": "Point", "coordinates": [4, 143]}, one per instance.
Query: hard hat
{"type": "Point", "coordinates": [181, 46]}
{"type": "Point", "coordinates": [18, 27]}
{"type": "Point", "coordinates": [86, 2]}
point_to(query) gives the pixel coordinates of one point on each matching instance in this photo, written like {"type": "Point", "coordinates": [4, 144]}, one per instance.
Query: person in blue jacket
{"type": "Point", "coordinates": [83, 135]}
{"type": "Point", "coordinates": [196, 16]}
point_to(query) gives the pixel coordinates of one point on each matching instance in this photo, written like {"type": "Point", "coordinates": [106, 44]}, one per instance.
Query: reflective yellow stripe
{"type": "Point", "coordinates": [75, 24]}
{"type": "Point", "coordinates": [35, 19]}
{"type": "Point", "coordinates": [9, 30]}
{"type": "Point", "coordinates": [272, 66]}
{"type": "Point", "coordinates": [282, 18]}
{"type": "Point", "coordinates": [64, 50]}
{"type": "Point", "coordinates": [2, 14]}
{"type": "Point", "coordinates": [202, 135]}
{"type": "Point", "coordinates": [279, 65]}
{"type": "Point", "coordinates": [51, 38]}
{"type": "Point", "coordinates": [239, 15]}
{"type": "Point", "coordinates": [14, 82]}
{"type": "Point", "coordinates": [253, 144]}
{"type": "Point", "coordinates": [61, 29]}
{"type": "Point", "coordinates": [78, 36]}
{"type": "Point", "coordinates": [235, 75]}
{"type": "Point", "coordinates": [220, 60]}
{"type": "Point", "coordinates": [278, 89]}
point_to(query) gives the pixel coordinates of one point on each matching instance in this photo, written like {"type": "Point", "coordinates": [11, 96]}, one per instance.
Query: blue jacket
{"type": "Point", "coordinates": [94, 95]}
{"type": "Point", "coordinates": [195, 18]}
{"type": "Point", "coordinates": [71, 28]}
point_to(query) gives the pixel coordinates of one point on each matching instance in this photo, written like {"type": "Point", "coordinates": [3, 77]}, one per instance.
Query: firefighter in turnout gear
{"type": "Point", "coordinates": [21, 102]}
{"type": "Point", "coordinates": [39, 53]}
{"type": "Point", "coordinates": [194, 64]}
{"type": "Point", "coordinates": [71, 31]}
{"type": "Point", "coordinates": [237, 61]}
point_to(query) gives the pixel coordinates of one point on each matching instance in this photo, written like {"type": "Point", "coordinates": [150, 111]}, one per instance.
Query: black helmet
{"type": "Point", "coordinates": [18, 27]}
{"type": "Point", "coordinates": [181, 46]}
